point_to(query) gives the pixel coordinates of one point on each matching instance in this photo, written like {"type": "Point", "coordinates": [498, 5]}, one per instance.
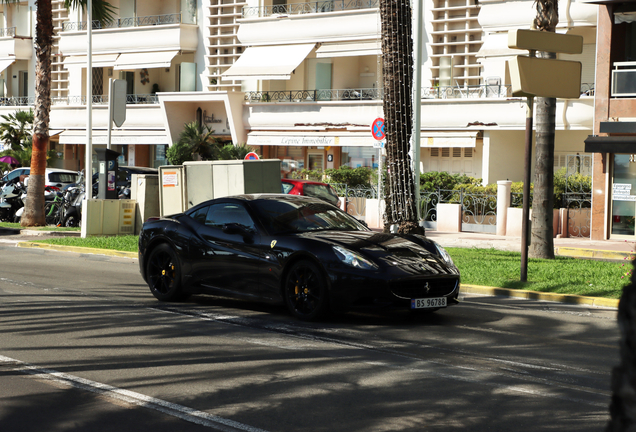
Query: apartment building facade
{"type": "Point", "coordinates": [614, 137]}
{"type": "Point", "coordinates": [298, 81]}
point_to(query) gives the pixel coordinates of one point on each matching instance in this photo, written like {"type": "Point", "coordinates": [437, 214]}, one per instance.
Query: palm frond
{"type": "Point", "coordinates": [102, 10]}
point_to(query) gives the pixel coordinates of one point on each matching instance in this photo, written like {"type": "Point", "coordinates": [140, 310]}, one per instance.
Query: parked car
{"type": "Point", "coordinates": [310, 188]}
{"type": "Point", "coordinates": [57, 177]}
{"type": "Point", "coordinates": [295, 250]}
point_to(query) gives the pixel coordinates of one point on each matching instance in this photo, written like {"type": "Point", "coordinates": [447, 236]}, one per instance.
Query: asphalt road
{"type": "Point", "coordinates": [85, 347]}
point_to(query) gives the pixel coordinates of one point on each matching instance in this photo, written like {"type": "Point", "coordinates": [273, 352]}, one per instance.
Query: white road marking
{"type": "Point", "coordinates": [184, 413]}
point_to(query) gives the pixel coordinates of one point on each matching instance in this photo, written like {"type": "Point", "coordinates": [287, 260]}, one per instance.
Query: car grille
{"type": "Point", "coordinates": [423, 288]}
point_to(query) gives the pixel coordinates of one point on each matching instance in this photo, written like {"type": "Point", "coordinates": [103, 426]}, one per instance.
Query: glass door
{"type": "Point", "coordinates": [316, 160]}
{"type": "Point", "coordinates": [623, 196]}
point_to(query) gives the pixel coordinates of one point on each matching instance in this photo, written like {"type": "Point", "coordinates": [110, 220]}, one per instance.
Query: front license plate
{"type": "Point", "coordinates": [435, 302]}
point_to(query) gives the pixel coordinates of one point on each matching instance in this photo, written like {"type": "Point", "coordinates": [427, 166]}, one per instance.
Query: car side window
{"type": "Point", "coordinates": [287, 187]}
{"type": "Point", "coordinates": [225, 213]}
{"type": "Point", "coordinates": [201, 214]}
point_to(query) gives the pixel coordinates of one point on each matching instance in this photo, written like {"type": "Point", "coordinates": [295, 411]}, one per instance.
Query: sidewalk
{"type": "Point", "coordinates": [569, 247]}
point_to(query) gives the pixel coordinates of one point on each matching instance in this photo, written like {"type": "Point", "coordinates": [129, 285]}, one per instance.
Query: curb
{"type": "Point", "coordinates": [78, 249]}
{"type": "Point", "coordinates": [536, 295]}
{"type": "Point", "coordinates": [592, 253]}
{"type": "Point", "coordinates": [469, 289]}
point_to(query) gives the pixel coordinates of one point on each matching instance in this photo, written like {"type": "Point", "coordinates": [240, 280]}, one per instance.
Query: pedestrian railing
{"type": "Point", "coordinates": [308, 7]}
{"type": "Point", "coordinates": [150, 20]}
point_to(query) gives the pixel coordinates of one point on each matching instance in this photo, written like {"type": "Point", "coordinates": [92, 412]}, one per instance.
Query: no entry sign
{"type": "Point", "coordinates": [377, 129]}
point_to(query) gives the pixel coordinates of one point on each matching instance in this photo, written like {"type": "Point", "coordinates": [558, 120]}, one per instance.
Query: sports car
{"type": "Point", "coordinates": [297, 250]}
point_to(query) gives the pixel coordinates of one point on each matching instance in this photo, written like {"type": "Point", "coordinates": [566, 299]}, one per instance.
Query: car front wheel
{"type": "Point", "coordinates": [306, 291]}
{"type": "Point", "coordinates": [163, 273]}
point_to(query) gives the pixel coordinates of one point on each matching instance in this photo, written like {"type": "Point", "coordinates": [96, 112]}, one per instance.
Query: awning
{"type": "Point", "coordinates": [149, 60]}
{"type": "Point", "coordinates": [5, 63]}
{"type": "Point", "coordinates": [311, 139]}
{"type": "Point", "coordinates": [347, 49]}
{"type": "Point", "coordinates": [119, 137]}
{"type": "Point", "coordinates": [610, 144]}
{"type": "Point", "coordinates": [99, 60]}
{"type": "Point", "coordinates": [448, 139]}
{"type": "Point", "coordinates": [275, 62]}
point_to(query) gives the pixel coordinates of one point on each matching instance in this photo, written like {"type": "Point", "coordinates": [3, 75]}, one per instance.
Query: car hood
{"type": "Point", "coordinates": [390, 249]}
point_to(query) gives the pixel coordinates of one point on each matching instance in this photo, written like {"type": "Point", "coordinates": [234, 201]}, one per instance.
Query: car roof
{"type": "Point", "coordinates": [48, 170]}
{"type": "Point", "coordinates": [140, 170]}
{"type": "Point", "coordinates": [299, 181]}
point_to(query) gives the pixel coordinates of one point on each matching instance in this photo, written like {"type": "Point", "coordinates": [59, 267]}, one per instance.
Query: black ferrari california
{"type": "Point", "coordinates": [297, 250]}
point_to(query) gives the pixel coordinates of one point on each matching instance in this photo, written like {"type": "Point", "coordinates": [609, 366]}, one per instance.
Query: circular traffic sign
{"type": "Point", "coordinates": [251, 156]}
{"type": "Point", "coordinates": [377, 129]}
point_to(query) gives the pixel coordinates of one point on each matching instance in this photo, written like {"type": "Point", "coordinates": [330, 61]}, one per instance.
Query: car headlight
{"type": "Point", "coordinates": [445, 256]}
{"type": "Point", "coordinates": [353, 259]}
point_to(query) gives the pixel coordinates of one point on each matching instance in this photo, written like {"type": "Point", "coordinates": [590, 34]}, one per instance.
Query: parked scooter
{"type": "Point", "coordinates": [11, 201]}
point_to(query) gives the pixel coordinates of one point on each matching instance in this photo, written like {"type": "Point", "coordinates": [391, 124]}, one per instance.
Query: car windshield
{"type": "Point", "coordinates": [280, 216]}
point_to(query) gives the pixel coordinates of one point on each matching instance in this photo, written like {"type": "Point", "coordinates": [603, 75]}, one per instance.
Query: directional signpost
{"type": "Point", "coordinates": [377, 130]}
{"type": "Point", "coordinates": [530, 77]}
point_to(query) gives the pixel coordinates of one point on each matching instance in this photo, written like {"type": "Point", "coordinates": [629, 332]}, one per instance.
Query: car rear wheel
{"type": "Point", "coordinates": [163, 273]}
{"type": "Point", "coordinates": [306, 291]}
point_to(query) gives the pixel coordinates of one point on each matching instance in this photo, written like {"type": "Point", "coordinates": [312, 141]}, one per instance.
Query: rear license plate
{"type": "Point", "coordinates": [425, 303]}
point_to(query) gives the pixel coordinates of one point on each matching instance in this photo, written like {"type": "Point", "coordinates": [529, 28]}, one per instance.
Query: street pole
{"type": "Point", "coordinates": [526, 186]}
{"type": "Point", "coordinates": [88, 169]}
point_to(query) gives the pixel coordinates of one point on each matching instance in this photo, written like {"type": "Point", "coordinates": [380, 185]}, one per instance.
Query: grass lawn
{"type": "Point", "coordinates": [495, 268]}
{"type": "Point", "coordinates": [126, 243]}
{"type": "Point", "coordinates": [488, 267]}
{"type": "Point", "coordinates": [44, 228]}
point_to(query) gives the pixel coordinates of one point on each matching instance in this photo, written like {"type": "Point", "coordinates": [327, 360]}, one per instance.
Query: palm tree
{"type": "Point", "coordinates": [16, 130]}
{"type": "Point", "coordinates": [397, 69]}
{"type": "Point", "coordinates": [542, 244]}
{"type": "Point", "coordinates": [200, 140]}
{"type": "Point", "coordinates": [34, 209]}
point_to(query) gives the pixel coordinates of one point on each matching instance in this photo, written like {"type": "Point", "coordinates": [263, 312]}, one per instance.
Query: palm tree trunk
{"type": "Point", "coordinates": [397, 69]}
{"type": "Point", "coordinates": [34, 208]}
{"type": "Point", "coordinates": [542, 244]}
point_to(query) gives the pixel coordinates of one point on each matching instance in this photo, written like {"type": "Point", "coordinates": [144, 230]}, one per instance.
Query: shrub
{"type": "Point", "coordinates": [352, 177]}
{"type": "Point", "coordinates": [433, 180]}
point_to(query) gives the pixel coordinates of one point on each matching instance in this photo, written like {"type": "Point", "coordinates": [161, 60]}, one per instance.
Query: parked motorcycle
{"type": "Point", "coordinates": [73, 197]}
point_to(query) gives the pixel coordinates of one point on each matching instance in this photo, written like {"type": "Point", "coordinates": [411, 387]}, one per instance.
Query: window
{"type": "Point", "coordinates": [222, 214]}
{"type": "Point", "coordinates": [200, 214]}
{"type": "Point", "coordinates": [355, 157]}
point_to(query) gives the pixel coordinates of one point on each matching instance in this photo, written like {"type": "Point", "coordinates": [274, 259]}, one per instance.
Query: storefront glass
{"type": "Point", "coordinates": [355, 157]}
{"type": "Point", "coordinates": [623, 195]}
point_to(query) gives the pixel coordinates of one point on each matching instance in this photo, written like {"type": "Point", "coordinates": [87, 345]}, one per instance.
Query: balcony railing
{"type": "Point", "coordinates": [447, 92]}
{"type": "Point", "coordinates": [131, 99]}
{"type": "Point", "coordinates": [313, 95]}
{"type": "Point", "coordinates": [7, 32]}
{"type": "Point", "coordinates": [150, 20]}
{"type": "Point", "coordinates": [309, 7]}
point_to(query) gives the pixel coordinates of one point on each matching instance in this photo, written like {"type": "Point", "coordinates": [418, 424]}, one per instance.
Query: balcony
{"type": "Point", "coordinates": [309, 7]}
{"type": "Point", "coordinates": [133, 34]}
{"type": "Point", "coordinates": [309, 25]}
{"type": "Point", "coordinates": [15, 48]}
